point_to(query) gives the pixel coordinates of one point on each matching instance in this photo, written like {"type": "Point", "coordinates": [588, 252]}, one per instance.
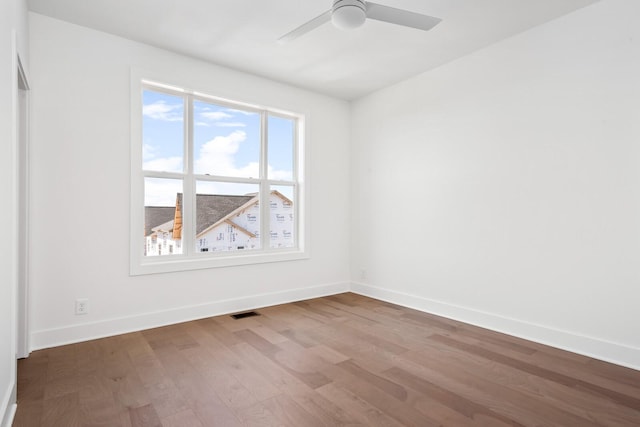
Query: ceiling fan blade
{"type": "Point", "coordinates": [305, 28]}
{"type": "Point", "coordinates": [401, 17]}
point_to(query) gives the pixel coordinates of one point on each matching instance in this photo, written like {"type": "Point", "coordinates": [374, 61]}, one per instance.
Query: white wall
{"type": "Point", "coordinates": [519, 168]}
{"type": "Point", "coordinates": [80, 184]}
{"type": "Point", "coordinates": [517, 165]}
{"type": "Point", "coordinates": [13, 40]}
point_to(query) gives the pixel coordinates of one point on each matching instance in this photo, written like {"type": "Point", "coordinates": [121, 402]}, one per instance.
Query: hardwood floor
{"type": "Point", "coordinates": [344, 360]}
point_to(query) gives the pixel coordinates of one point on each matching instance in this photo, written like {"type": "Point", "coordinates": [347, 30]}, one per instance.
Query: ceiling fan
{"type": "Point", "coordinates": [350, 14]}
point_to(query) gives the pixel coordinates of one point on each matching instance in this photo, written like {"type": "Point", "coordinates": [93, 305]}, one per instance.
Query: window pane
{"type": "Point", "coordinates": [227, 217]}
{"type": "Point", "coordinates": [162, 132]}
{"type": "Point", "coordinates": [282, 216]}
{"type": "Point", "coordinates": [226, 141]}
{"type": "Point", "coordinates": [162, 216]}
{"type": "Point", "coordinates": [281, 141]}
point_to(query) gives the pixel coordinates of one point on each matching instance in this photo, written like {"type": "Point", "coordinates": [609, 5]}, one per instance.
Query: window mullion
{"type": "Point", "coordinates": [188, 195]}
{"type": "Point", "coordinates": [165, 175]}
{"type": "Point", "coordinates": [297, 199]}
{"type": "Point", "coordinates": [264, 185]}
{"type": "Point", "coordinates": [217, 178]}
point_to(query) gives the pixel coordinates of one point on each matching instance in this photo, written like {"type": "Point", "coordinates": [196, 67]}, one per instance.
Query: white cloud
{"type": "Point", "coordinates": [279, 175]}
{"type": "Point", "coordinates": [215, 115]}
{"type": "Point", "coordinates": [160, 110]}
{"type": "Point", "coordinates": [161, 192]}
{"type": "Point", "coordinates": [231, 124]}
{"type": "Point", "coordinates": [244, 113]}
{"type": "Point", "coordinates": [216, 157]}
{"type": "Point", "coordinates": [167, 164]}
{"type": "Point", "coordinates": [148, 151]}
{"type": "Point", "coordinates": [217, 118]}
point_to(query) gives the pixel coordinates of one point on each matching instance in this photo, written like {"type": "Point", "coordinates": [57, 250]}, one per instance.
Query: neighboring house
{"type": "Point", "coordinates": [223, 223]}
{"type": "Point", "coordinates": [158, 228]}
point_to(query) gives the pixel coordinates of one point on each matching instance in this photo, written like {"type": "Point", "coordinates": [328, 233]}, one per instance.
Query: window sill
{"type": "Point", "coordinates": [170, 264]}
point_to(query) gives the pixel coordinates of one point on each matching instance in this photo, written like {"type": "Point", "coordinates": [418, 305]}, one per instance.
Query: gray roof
{"type": "Point", "coordinates": [167, 226]}
{"type": "Point", "coordinates": [210, 208]}
{"type": "Point", "coordinates": [157, 215]}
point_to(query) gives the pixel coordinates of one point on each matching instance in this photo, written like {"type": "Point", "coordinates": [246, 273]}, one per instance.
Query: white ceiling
{"type": "Point", "coordinates": [242, 34]}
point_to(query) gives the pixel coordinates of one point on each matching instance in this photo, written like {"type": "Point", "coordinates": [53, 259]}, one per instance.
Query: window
{"type": "Point", "coordinates": [217, 182]}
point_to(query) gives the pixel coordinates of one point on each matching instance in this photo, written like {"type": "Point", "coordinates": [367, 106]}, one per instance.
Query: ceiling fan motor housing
{"type": "Point", "coordinates": [348, 14]}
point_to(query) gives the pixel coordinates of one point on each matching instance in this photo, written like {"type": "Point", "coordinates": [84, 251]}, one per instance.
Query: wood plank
{"type": "Point", "coordinates": [290, 413]}
{"type": "Point", "coordinates": [343, 360]}
{"type": "Point", "coordinates": [573, 382]}
{"type": "Point", "coordinates": [404, 414]}
{"type": "Point", "coordinates": [225, 358]}
{"type": "Point", "coordinates": [578, 402]}
{"type": "Point", "coordinates": [29, 413]}
{"type": "Point", "coordinates": [464, 406]}
{"type": "Point", "coordinates": [62, 411]}
{"type": "Point", "coordinates": [144, 416]}
{"type": "Point", "coordinates": [585, 368]}
{"type": "Point", "coordinates": [393, 389]}
{"type": "Point", "coordinates": [182, 419]}
{"type": "Point", "coordinates": [259, 416]}
{"type": "Point", "coordinates": [363, 412]}
{"type": "Point", "coordinates": [290, 385]}
{"type": "Point", "coordinates": [514, 404]}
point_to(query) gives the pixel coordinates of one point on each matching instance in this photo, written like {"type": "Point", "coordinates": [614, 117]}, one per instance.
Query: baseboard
{"type": "Point", "coordinates": [607, 351]}
{"type": "Point", "coordinates": [588, 346]}
{"type": "Point", "coordinates": [87, 331]}
{"type": "Point", "coordinates": [8, 408]}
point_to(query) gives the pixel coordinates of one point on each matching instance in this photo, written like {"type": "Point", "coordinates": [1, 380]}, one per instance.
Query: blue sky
{"type": "Point", "coordinates": [226, 142]}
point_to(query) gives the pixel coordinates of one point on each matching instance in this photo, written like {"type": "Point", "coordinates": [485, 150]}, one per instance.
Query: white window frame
{"type": "Point", "coordinates": [192, 260]}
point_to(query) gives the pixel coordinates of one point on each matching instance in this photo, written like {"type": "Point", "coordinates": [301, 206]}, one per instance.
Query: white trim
{"type": "Point", "coordinates": [8, 405]}
{"type": "Point", "coordinates": [139, 264]}
{"type": "Point", "coordinates": [264, 188]}
{"type": "Point", "coordinates": [607, 351]}
{"type": "Point", "coordinates": [22, 136]}
{"type": "Point", "coordinates": [87, 331]}
{"type": "Point", "coordinates": [9, 415]}
{"type": "Point", "coordinates": [596, 348]}
{"type": "Point", "coordinates": [8, 402]}
{"type": "Point", "coordinates": [181, 263]}
{"type": "Point", "coordinates": [136, 178]}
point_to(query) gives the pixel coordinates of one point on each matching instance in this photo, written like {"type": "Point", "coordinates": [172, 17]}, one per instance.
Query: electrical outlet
{"type": "Point", "coordinates": [82, 306]}
{"type": "Point", "coordinates": [363, 274]}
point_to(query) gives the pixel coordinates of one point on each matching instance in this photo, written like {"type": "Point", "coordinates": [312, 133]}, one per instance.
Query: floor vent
{"type": "Point", "coordinates": [245, 314]}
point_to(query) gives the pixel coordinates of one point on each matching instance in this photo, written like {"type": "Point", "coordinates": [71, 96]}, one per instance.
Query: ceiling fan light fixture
{"type": "Point", "coordinates": [348, 14]}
